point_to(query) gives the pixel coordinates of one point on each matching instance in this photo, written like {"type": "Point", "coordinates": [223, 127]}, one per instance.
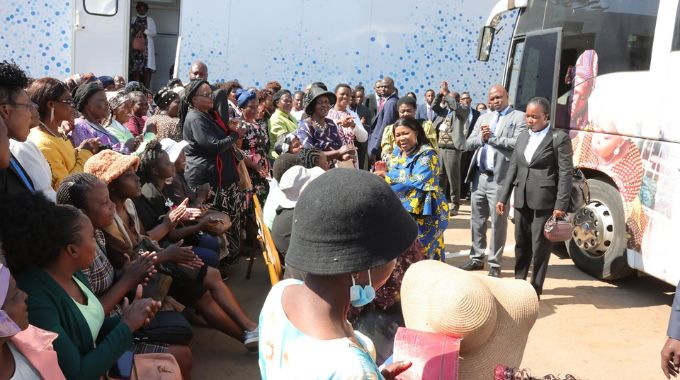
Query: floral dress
{"type": "Point", "coordinates": [415, 180]}
{"type": "Point", "coordinates": [325, 137]}
{"type": "Point", "coordinates": [255, 146]}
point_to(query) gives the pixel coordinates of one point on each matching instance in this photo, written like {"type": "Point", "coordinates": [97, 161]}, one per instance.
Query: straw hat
{"type": "Point", "coordinates": [492, 316]}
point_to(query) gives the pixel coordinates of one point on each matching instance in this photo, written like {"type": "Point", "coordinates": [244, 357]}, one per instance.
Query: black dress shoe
{"type": "Point", "coordinates": [472, 265]}
{"type": "Point", "coordinates": [495, 272]}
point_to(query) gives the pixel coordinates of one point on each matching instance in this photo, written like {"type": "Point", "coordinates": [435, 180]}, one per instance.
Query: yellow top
{"type": "Point", "coordinates": [387, 141]}
{"type": "Point", "coordinates": [63, 158]}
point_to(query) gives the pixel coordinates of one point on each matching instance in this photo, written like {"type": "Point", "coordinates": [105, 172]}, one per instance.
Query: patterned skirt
{"type": "Point", "coordinates": [230, 200]}
{"type": "Point", "coordinates": [431, 236]}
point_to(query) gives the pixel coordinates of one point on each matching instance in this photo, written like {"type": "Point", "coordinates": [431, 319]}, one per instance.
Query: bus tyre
{"type": "Point", "coordinates": [598, 246]}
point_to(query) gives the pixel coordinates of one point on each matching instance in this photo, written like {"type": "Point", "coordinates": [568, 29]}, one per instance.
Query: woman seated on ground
{"type": "Point", "coordinates": [47, 246]}
{"type": "Point", "coordinates": [166, 122]}
{"type": "Point", "coordinates": [121, 107]}
{"type": "Point", "coordinates": [138, 116]}
{"type": "Point", "coordinates": [312, 157]}
{"type": "Point", "coordinates": [204, 290]}
{"type": "Point", "coordinates": [288, 143]}
{"type": "Point", "coordinates": [91, 196]}
{"type": "Point", "coordinates": [320, 132]}
{"type": "Point", "coordinates": [55, 106]}
{"type": "Point", "coordinates": [26, 351]}
{"type": "Point", "coordinates": [155, 170]}
{"type": "Point", "coordinates": [281, 165]}
{"type": "Point", "coordinates": [179, 189]}
{"type": "Point", "coordinates": [90, 100]}
{"type": "Point", "coordinates": [413, 173]}
{"type": "Point", "coordinates": [304, 328]}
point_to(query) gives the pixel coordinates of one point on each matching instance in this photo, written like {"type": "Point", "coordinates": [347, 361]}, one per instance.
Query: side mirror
{"type": "Point", "coordinates": [485, 43]}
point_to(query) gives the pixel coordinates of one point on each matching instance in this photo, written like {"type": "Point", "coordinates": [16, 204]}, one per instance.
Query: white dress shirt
{"type": "Point", "coordinates": [491, 151]}
{"type": "Point", "coordinates": [535, 139]}
{"type": "Point", "coordinates": [36, 166]}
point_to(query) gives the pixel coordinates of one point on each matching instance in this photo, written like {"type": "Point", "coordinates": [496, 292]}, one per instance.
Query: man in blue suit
{"type": "Point", "coordinates": [426, 111]}
{"type": "Point", "coordinates": [387, 114]}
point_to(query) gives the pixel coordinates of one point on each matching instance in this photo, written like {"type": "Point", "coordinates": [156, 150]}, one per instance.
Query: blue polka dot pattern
{"type": "Point", "coordinates": [419, 44]}
{"type": "Point", "coordinates": [37, 36]}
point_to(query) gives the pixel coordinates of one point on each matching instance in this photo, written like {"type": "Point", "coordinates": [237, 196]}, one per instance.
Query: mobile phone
{"type": "Point", "coordinates": [122, 369]}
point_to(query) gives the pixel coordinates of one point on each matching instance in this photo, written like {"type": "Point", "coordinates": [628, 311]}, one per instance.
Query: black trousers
{"type": "Point", "coordinates": [531, 245]}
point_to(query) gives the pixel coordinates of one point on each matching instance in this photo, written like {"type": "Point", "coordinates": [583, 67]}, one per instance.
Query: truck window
{"type": "Point", "coordinates": [101, 7]}
{"type": "Point", "coordinates": [676, 33]}
{"type": "Point", "coordinates": [537, 69]}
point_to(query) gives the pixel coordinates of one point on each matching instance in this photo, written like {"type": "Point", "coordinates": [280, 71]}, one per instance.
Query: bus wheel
{"type": "Point", "coordinates": [598, 246]}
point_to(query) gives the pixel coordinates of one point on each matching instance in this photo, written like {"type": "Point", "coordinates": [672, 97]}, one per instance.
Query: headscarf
{"type": "Point", "coordinates": [309, 157]}
{"type": "Point", "coordinates": [84, 92]}
{"type": "Point", "coordinates": [7, 326]}
{"type": "Point", "coordinates": [185, 101]}
{"type": "Point", "coordinates": [136, 86]}
{"type": "Point", "coordinates": [243, 97]}
{"type": "Point", "coordinates": [118, 100]}
{"type": "Point", "coordinates": [278, 95]}
{"type": "Point", "coordinates": [164, 97]}
{"type": "Point", "coordinates": [106, 81]}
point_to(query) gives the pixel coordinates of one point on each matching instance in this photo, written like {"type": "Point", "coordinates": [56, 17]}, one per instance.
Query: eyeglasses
{"type": "Point", "coordinates": [209, 95]}
{"type": "Point", "coordinates": [68, 101]}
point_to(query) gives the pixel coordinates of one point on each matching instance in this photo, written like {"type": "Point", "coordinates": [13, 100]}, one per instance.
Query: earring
{"type": "Point", "coordinates": [51, 114]}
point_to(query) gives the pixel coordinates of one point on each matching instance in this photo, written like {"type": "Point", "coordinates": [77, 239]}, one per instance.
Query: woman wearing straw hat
{"type": "Point", "coordinates": [303, 325]}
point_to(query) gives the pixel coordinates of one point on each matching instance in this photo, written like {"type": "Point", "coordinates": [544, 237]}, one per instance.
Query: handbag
{"type": "Point", "coordinates": [580, 192]}
{"type": "Point", "coordinates": [139, 42]}
{"type": "Point", "coordinates": [219, 228]}
{"type": "Point", "coordinates": [158, 366]}
{"type": "Point", "coordinates": [169, 327]}
{"type": "Point", "coordinates": [558, 230]}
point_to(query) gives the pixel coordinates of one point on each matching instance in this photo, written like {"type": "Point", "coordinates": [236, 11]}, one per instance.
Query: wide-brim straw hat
{"type": "Point", "coordinates": [492, 316]}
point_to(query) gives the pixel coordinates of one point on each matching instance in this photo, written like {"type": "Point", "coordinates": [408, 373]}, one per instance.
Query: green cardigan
{"type": "Point", "coordinates": [51, 308]}
{"type": "Point", "coordinates": [280, 123]}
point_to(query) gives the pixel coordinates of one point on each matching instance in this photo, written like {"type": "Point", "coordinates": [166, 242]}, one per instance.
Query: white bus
{"type": "Point", "coordinates": [611, 69]}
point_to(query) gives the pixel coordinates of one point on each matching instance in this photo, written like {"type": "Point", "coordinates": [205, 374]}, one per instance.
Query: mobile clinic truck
{"type": "Point", "coordinates": [295, 42]}
{"type": "Point", "coordinates": [605, 65]}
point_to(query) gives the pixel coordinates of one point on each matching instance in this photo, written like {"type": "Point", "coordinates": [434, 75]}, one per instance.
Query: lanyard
{"type": "Point", "coordinates": [22, 174]}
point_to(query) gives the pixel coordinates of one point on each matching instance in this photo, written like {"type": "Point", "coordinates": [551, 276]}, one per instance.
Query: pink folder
{"type": "Point", "coordinates": [434, 356]}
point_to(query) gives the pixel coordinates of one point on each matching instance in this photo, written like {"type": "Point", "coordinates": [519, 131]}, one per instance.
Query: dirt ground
{"type": "Point", "coordinates": [588, 328]}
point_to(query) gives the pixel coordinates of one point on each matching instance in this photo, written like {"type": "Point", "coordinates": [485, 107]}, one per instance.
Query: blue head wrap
{"type": "Point", "coordinates": [243, 97]}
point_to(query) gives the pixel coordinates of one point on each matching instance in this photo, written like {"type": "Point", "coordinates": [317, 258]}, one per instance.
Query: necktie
{"type": "Point", "coordinates": [381, 103]}
{"type": "Point", "coordinates": [429, 113]}
{"type": "Point", "coordinates": [482, 158]}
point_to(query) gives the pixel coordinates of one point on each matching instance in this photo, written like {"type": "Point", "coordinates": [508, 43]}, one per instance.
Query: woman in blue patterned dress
{"type": "Point", "coordinates": [413, 171]}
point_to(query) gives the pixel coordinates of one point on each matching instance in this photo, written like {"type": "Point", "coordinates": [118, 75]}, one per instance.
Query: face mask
{"type": "Point", "coordinates": [361, 296]}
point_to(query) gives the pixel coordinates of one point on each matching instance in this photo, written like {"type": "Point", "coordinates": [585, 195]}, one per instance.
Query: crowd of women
{"type": "Point", "coordinates": [123, 209]}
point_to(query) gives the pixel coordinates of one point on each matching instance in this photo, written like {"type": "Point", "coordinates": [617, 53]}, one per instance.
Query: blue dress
{"type": "Point", "coordinates": [415, 180]}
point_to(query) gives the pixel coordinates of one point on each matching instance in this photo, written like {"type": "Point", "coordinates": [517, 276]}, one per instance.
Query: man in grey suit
{"type": "Point", "coordinates": [451, 141]}
{"type": "Point", "coordinates": [493, 140]}
{"type": "Point", "coordinates": [670, 354]}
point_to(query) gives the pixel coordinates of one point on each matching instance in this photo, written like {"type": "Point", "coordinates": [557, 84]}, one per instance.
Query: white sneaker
{"type": "Point", "coordinates": [251, 340]}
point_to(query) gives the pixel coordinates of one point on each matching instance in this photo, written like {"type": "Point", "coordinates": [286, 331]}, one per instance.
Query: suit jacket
{"type": "Point", "coordinates": [364, 113]}
{"type": "Point", "coordinates": [545, 182]}
{"type": "Point", "coordinates": [387, 115]}
{"type": "Point", "coordinates": [371, 103]}
{"type": "Point", "coordinates": [453, 134]}
{"type": "Point", "coordinates": [475, 116]}
{"type": "Point", "coordinates": [11, 183]}
{"type": "Point", "coordinates": [421, 112]}
{"type": "Point", "coordinates": [503, 140]}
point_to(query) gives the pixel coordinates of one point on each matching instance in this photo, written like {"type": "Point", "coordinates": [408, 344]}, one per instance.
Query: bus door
{"type": "Point", "coordinates": [101, 37]}
{"type": "Point", "coordinates": [533, 66]}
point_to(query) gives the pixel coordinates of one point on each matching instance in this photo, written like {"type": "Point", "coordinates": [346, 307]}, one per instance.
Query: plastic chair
{"type": "Point", "coordinates": [269, 251]}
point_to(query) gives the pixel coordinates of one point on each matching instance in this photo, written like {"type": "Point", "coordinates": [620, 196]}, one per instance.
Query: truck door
{"type": "Point", "coordinates": [101, 37]}
{"type": "Point", "coordinates": [533, 68]}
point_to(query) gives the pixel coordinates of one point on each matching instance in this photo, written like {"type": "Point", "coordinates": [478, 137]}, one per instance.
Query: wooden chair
{"type": "Point", "coordinates": [269, 252]}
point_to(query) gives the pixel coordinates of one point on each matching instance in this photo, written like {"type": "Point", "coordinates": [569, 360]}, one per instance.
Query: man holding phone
{"type": "Point", "coordinates": [493, 141]}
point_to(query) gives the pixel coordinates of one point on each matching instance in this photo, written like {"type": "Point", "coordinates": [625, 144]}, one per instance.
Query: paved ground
{"type": "Point", "coordinates": [591, 329]}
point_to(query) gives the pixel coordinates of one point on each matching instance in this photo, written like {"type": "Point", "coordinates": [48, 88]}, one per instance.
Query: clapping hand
{"type": "Point", "coordinates": [140, 312]}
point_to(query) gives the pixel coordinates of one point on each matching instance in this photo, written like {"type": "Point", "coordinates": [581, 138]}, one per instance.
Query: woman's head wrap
{"type": "Point", "coordinates": [136, 86]}
{"type": "Point", "coordinates": [84, 92]}
{"type": "Point", "coordinates": [118, 100]}
{"type": "Point", "coordinates": [185, 101]}
{"type": "Point", "coordinates": [164, 97]}
{"type": "Point", "coordinates": [243, 97]}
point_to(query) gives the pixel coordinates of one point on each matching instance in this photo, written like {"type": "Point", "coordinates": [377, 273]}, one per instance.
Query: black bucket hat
{"type": "Point", "coordinates": [338, 231]}
{"type": "Point", "coordinates": [313, 94]}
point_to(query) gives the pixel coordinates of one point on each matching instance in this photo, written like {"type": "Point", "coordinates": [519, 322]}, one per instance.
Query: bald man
{"type": "Point", "coordinates": [198, 70]}
{"type": "Point", "coordinates": [493, 140]}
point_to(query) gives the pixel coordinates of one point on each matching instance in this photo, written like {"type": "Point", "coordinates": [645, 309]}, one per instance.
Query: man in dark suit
{"type": "Point", "coordinates": [373, 99]}
{"type": "Point", "coordinates": [387, 114]}
{"type": "Point", "coordinates": [356, 105]}
{"type": "Point", "coordinates": [466, 157]}
{"type": "Point", "coordinates": [427, 111]}
{"type": "Point", "coordinates": [542, 183]}
{"type": "Point", "coordinates": [493, 140]}
{"type": "Point", "coordinates": [451, 141]}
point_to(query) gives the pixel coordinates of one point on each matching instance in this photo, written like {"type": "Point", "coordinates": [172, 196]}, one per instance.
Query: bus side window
{"type": "Point", "coordinates": [676, 33]}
